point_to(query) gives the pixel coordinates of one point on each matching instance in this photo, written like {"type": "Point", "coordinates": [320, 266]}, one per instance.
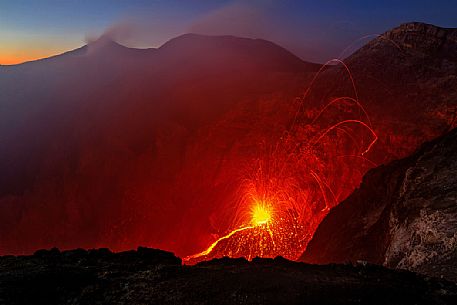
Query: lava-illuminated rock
{"type": "Point", "coordinates": [404, 215]}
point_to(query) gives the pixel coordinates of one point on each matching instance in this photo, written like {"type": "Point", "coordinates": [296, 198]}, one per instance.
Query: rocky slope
{"type": "Point", "coordinates": [150, 276]}
{"type": "Point", "coordinates": [404, 215]}
{"type": "Point", "coordinates": [406, 79]}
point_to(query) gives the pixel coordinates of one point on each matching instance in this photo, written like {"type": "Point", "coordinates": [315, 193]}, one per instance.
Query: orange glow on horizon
{"type": "Point", "coordinates": [12, 57]}
{"type": "Point", "coordinates": [19, 47]}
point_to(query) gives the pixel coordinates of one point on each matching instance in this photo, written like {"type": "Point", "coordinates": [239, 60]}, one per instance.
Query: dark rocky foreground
{"type": "Point", "coordinates": [149, 276]}
{"type": "Point", "coordinates": [404, 215]}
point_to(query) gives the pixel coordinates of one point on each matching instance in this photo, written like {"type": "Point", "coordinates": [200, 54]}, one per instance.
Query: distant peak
{"type": "Point", "coordinates": [424, 29]}
{"type": "Point", "coordinates": [103, 42]}
{"type": "Point", "coordinates": [415, 26]}
{"type": "Point", "coordinates": [198, 37]}
{"type": "Point", "coordinates": [192, 37]}
{"type": "Point", "coordinates": [252, 49]}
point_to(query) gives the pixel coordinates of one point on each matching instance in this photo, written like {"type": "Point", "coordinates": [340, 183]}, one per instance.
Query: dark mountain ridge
{"type": "Point", "coordinates": [186, 47]}
{"type": "Point", "coordinates": [426, 39]}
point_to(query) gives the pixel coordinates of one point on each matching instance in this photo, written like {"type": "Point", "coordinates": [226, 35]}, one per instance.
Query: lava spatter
{"type": "Point", "coordinates": [290, 188]}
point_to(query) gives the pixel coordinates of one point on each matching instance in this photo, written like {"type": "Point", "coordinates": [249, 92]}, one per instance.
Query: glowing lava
{"type": "Point", "coordinates": [292, 185]}
{"type": "Point", "coordinates": [261, 213]}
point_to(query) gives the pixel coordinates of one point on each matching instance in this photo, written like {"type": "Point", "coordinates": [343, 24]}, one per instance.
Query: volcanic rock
{"type": "Point", "coordinates": [404, 215]}
{"type": "Point", "coordinates": [103, 277]}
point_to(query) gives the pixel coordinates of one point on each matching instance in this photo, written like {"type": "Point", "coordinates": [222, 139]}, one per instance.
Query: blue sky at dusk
{"type": "Point", "coordinates": [314, 30]}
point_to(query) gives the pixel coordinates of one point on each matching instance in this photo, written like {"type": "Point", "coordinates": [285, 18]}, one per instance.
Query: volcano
{"type": "Point", "coordinates": [208, 143]}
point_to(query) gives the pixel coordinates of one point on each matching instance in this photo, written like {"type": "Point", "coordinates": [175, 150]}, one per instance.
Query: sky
{"type": "Point", "coordinates": [314, 30]}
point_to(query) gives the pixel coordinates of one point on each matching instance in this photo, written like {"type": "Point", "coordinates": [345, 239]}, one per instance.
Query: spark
{"type": "Point", "coordinates": [375, 137]}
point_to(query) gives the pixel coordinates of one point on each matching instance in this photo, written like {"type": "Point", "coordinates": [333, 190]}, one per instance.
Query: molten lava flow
{"type": "Point", "coordinates": [269, 233]}
{"type": "Point", "coordinates": [292, 185]}
{"type": "Point", "coordinates": [214, 244]}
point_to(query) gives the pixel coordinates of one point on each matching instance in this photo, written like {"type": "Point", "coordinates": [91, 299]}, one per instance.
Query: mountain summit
{"type": "Point", "coordinates": [425, 38]}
